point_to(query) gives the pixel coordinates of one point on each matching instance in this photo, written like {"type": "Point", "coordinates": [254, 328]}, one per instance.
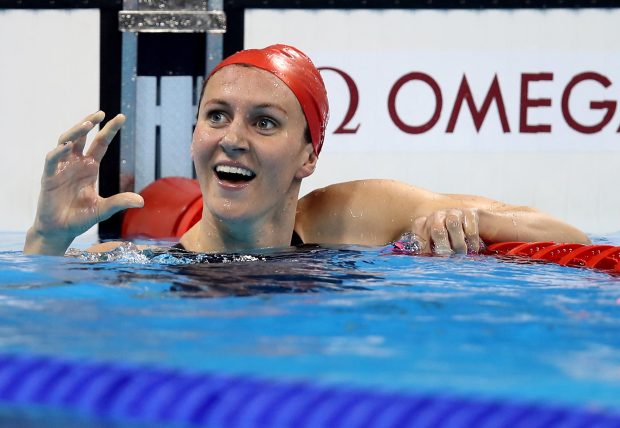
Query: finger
{"type": "Point", "coordinates": [419, 230]}
{"type": "Point", "coordinates": [439, 234]}
{"type": "Point", "coordinates": [93, 119]}
{"type": "Point", "coordinates": [80, 142]}
{"type": "Point", "coordinates": [104, 137]}
{"type": "Point", "coordinates": [53, 157]}
{"type": "Point", "coordinates": [116, 203]}
{"type": "Point", "coordinates": [454, 225]}
{"type": "Point", "coordinates": [82, 128]}
{"type": "Point", "coordinates": [472, 233]}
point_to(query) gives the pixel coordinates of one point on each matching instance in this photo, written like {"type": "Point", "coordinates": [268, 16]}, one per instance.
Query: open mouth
{"type": "Point", "coordinates": [234, 174]}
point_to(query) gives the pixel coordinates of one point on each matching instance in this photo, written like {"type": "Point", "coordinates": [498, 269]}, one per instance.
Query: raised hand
{"type": "Point", "coordinates": [69, 203]}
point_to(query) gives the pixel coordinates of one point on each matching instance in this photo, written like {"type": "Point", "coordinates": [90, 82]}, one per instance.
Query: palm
{"type": "Point", "coordinates": [69, 203]}
{"type": "Point", "coordinates": [69, 200]}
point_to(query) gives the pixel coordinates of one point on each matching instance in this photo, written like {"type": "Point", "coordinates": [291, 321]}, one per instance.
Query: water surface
{"type": "Point", "coordinates": [471, 325]}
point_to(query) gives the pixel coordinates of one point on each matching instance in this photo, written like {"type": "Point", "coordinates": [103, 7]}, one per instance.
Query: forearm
{"type": "Point", "coordinates": [525, 224]}
{"type": "Point", "coordinates": [38, 243]}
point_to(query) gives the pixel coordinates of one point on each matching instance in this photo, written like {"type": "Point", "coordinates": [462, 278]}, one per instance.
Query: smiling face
{"type": "Point", "coordinates": [249, 148]}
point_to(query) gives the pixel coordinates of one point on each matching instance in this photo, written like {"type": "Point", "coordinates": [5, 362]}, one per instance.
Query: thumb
{"type": "Point", "coordinates": [116, 203]}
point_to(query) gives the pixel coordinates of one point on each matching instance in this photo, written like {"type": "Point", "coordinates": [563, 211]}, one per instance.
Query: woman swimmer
{"type": "Point", "coordinates": [260, 128]}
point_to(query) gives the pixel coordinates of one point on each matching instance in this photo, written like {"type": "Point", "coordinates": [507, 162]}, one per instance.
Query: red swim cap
{"type": "Point", "coordinates": [296, 70]}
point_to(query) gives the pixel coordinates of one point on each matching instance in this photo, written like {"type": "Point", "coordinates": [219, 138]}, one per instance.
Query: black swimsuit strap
{"type": "Point", "coordinates": [296, 240]}
{"type": "Point", "coordinates": [178, 246]}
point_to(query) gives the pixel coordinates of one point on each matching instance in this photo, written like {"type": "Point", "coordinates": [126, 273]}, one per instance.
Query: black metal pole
{"type": "Point", "coordinates": [110, 102]}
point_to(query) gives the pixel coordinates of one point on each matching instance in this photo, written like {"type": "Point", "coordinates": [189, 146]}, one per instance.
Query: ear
{"type": "Point", "coordinates": [308, 166]}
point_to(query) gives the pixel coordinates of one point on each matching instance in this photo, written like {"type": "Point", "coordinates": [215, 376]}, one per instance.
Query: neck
{"type": "Point", "coordinates": [212, 234]}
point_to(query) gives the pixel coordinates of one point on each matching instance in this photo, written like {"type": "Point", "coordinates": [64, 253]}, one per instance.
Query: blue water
{"type": "Point", "coordinates": [469, 325]}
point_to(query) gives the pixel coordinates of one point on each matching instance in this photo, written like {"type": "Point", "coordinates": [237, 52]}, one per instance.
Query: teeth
{"type": "Point", "coordinates": [234, 170]}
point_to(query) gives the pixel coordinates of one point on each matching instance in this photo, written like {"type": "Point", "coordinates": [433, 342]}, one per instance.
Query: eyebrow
{"type": "Point", "coordinates": [261, 106]}
{"type": "Point", "coordinates": [270, 105]}
{"type": "Point", "coordinates": [216, 101]}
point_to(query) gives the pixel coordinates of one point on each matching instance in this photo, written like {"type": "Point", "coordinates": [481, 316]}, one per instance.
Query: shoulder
{"type": "Point", "coordinates": [370, 212]}
{"type": "Point", "coordinates": [359, 191]}
{"type": "Point", "coordinates": [361, 194]}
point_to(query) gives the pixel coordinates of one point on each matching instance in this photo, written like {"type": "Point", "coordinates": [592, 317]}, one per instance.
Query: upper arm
{"type": "Point", "coordinates": [371, 212]}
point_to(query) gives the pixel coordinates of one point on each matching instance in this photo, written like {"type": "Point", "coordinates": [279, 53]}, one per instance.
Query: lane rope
{"type": "Point", "coordinates": [129, 393]}
{"type": "Point", "coordinates": [605, 258]}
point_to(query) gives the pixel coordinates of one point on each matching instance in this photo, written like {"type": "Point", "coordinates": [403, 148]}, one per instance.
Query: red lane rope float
{"type": "Point", "coordinates": [172, 205]}
{"type": "Point", "coordinates": [600, 257]}
{"type": "Point", "coordinates": [555, 252]}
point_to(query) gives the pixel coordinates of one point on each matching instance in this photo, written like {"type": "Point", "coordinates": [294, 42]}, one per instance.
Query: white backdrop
{"type": "Point", "coordinates": [49, 80]}
{"type": "Point", "coordinates": [531, 146]}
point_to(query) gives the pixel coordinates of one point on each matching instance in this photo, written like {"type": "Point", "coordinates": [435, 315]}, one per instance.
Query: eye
{"type": "Point", "coordinates": [266, 124]}
{"type": "Point", "coordinates": [216, 117]}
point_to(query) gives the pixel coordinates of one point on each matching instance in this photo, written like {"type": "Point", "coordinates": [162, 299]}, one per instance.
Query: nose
{"type": "Point", "coordinates": [235, 138]}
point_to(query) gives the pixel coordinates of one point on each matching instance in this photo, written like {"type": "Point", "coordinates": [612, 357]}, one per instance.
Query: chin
{"type": "Point", "coordinates": [230, 213]}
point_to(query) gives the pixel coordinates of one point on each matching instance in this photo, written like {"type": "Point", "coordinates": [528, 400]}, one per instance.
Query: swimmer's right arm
{"type": "Point", "coordinates": [69, 203]}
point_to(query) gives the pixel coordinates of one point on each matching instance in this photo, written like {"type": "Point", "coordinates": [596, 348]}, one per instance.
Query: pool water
{"type": "Point", "coordinates": [473, 326]}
